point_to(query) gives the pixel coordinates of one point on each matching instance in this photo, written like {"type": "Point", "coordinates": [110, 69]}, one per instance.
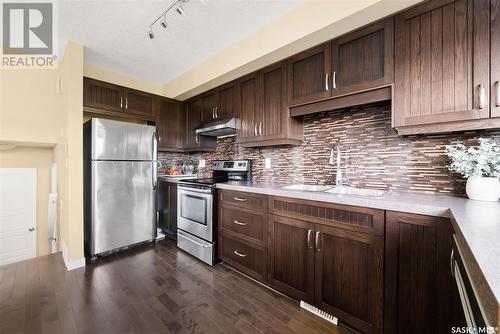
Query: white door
{"type": "Point", "coordinates": [17, 214]}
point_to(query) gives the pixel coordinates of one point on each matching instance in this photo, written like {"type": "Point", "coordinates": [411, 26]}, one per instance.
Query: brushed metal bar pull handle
{"type": "Point", "coordinates": [239, 199]}
{"type": "Point", "coordinates": [497, 94]}
{"type": "Point", "coordinates": [121, 102]}
{"type": "Point", "coordinates": [334, 80]}
{"type": "Point", "coordinates": [213, 112]}
{"type": "Point", "coordinates": [327, 77]}
{"type": "Point", "coordinates": [316, 242]}
{"type": "Point", "coordinates": [239, 254]}
{"type": "Point", "coordinates": [255, 129]}
{"type": "Point", "coordinates": [217, 112]}
{"type": "Point", "coordinates": [126, 103]}
{"type": "Point", "coordinates": [239, 223]}
{"type": "Point", "coordinates": [197, 138]}
{"type": "Point", "coordinates": [309, 235]}
{"type": "Point", "coordinates": [260, 129]}
{"type": "Point", "coordinates": [451, 262]}
{"type": "Point", "coordinates": [482, 97]}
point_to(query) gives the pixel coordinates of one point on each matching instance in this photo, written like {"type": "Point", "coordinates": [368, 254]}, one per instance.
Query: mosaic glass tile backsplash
{"type": "Point", "coordinates": [372, 154]}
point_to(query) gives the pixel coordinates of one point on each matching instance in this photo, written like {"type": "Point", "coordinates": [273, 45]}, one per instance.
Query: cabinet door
{"type": "Point", "coordinates": [418, 283]}
{"type": "Point", "coordinates": [363, 59]}
{"type": "Point", "coordinates": [442, 63]}
{"type": "Point", "coordinates": [140, 103]}
{"type": "Point", "coordinates": [226, 106]}
{"type": "Point", "coordinates": [495, 58]}
{"type": "Point", "coordinates": [193, 119]}
{"type": "Point", "coordinates": [102, 95]}
{"type": "Point", "coordinates": [309, 75]}
{"type": "Point", "coordinates": [172, 208]}
{"type": "Point", "coordinates": [273, 101]}
{"type": "Point", "coordinates": [194, 142]}
{"type": "Point", "coordinates": [349, 277]}
{"type": "Point", "coordinates": [170, 123]}
{"type": "Point", "coordinates": [208, 104]}
{"type": "Point", "coordinates": [292, 257]}
{"type": "Point", "coordinates": [248, 105]}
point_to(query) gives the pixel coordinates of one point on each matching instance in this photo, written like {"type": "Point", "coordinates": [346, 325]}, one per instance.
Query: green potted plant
{"type": "Point", "coordinates": [481, 166]}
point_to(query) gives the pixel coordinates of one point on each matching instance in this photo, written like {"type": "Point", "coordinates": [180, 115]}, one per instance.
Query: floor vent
{"type": "Point", "coordinates": [318, 312]}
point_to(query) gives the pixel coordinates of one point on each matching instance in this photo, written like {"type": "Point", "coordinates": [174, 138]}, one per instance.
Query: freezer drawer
{"type": "Point", "coordinates": [123, 204]}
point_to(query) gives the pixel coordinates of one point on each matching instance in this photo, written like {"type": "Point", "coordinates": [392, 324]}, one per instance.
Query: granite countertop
{"type": "Point", "coordinates": [477, 222]}
{"type": "Point", "coordinates": [176, 179]}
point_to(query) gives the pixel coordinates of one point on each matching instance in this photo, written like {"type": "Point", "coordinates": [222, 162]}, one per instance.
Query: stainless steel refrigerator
{"type": "Point", "coordinates": [120, 178]}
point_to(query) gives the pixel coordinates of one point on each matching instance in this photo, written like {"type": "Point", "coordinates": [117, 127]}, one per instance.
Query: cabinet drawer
{"type": "Point", "coordinates": [343, 216]}
{"type": "Point", "coordinates": [244, 223]}
{"type": "Point", "coordinates": [245, 258]}
{"type": "Point", "coordinates": [244, 200]}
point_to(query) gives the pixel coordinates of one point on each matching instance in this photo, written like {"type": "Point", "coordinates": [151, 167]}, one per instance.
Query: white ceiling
{"type": "Point", "coordinates": [114, 33]}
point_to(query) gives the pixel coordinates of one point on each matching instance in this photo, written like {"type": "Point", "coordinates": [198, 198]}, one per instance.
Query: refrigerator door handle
{"type": "Point", "coordinates": [154, 174]}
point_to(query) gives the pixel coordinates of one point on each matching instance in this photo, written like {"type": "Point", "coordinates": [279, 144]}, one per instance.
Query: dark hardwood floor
{"type": "Point", "coordinates": [149, 289]}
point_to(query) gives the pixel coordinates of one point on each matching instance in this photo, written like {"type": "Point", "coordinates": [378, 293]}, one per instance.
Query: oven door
{"type": "Point", "coordinates": [194, 211]}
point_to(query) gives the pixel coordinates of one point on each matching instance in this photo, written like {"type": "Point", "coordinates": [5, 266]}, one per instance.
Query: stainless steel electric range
{"type": "Point", "coordinates": [196, 208]}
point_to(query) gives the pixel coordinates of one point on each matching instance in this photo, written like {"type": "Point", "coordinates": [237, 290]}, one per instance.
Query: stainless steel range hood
{"type": "Point", "coordinates": [223, 127]}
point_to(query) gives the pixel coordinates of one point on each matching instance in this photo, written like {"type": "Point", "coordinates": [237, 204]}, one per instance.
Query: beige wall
{"type": "Point", "coordinates": [69, 155]}
{"type": "Point", "coordinates": [34, 113]}
{"type": "Point", "coordinates": [307, 25]}
{"type": "Point", "coordinates": [121, 79]}
{"type": "Point", "coordinates": [41, 159]}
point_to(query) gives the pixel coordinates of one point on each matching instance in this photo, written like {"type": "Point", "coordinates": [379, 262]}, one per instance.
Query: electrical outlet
{"type": "Point", "coordinates": [267, 163]}
{"type": "Point", "coordinates": [201, 163]}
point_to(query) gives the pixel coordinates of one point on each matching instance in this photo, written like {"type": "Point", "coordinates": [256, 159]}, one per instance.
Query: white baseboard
{"type": "Point", "coordinates": [70, 265]}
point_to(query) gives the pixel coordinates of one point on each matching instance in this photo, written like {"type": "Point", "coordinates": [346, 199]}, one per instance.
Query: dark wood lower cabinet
{"type": "Point", "coordinates": [349, 275]}
{"type": "Point", "coordinates": [292, 257]}
{"type": "Point", "coordinates": [397, 281]}
{"type": "Point", "coordinates": [418, 281]}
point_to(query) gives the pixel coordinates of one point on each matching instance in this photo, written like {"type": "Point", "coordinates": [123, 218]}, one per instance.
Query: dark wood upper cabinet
{"type": "Point", "coordinates": [363, 59]}
{"type": "Point", "coordinates": [442, 67]}
{"type": "Point", "coordinates": [267, 121]}
{"type": "Point", "coordinates": [248, 106]}
{"type": "Point", "coordinates": [495, 58]}
{"type": "Point", "coordinates": [227, 104]}
{"type": "Point", "coordinates": [349, 273]}
{"type": "Point", "coordinates": [292, 257]}
{"type": "Point", "coordinates": [208, 105]}
{"type": "Point", "coordinates": [170, 122]}
{"type": "Point", "coordinates": [102, 95]}
{"type": "Point", "coordinates": [273, 100]}
{"type": "Point", "coordinates": [193, 114]}
{"type": "Point", "coordinates": [104, 98]}
{"type": "Point", "coordinates": [309, 75]}
{"type": "Point", "coordinates": [418, 281]}
{"type": "Point", "coordinates": [140, 103]}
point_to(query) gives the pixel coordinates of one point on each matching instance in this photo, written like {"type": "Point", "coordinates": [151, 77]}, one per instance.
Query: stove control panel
{"type": "Point", "coordinates": [231, 165]}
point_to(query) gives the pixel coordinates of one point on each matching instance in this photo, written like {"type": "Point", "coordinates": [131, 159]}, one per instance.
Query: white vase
{"type": "Point", "coordinates": [483, 188]}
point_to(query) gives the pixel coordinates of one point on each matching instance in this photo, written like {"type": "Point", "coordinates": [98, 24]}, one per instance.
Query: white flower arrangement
{"type": "Point", "coordinates": [483, 161]}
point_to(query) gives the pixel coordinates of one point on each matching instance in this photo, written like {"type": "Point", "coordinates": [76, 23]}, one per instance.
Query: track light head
{"type": "Point", "coordinates": [150, 34]}
{"type": "Point", "coordinates": [163, 23]}
{"type": "Point", "coordinates": [180, 10]}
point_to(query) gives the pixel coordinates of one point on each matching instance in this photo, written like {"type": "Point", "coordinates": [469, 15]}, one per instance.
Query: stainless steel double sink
{"type": "Point", "coordinates": [339, 190]}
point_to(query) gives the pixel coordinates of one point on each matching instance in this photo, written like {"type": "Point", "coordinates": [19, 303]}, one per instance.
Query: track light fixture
{"type": "Point", "coordinates": [163, 16]}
